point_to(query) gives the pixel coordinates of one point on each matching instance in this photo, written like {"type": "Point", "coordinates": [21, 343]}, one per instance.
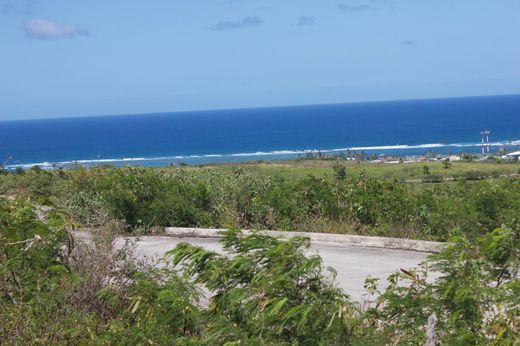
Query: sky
{"type": "Point", "coordinates": [63, 58]}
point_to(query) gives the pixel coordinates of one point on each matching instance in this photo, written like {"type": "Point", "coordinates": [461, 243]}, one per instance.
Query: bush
{"type": "Point", "coordinates": [474, 175]}
{"type": "Point", "coordinates": [433, 179]}
{"type": "Point", "coordinates": [33, 268]}
{"type": "Point", "coordinates": [144, 198]}
{"type": "Point", "coordinates": [340, 171]}
{"type": "Point", "coordinates": [474, 300]}
{"type": "Point", "coordinates": [59, 289]}
{"type": "Point", "coordinates": [267, 290]}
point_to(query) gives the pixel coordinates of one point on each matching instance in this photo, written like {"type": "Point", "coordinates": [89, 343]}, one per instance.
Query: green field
{"type": "Point", "coordinates": [299, 169]}
{"type": "Point", "coordinates": [407, 200]}
{"type": "Point", "coordinates": [58, 291]}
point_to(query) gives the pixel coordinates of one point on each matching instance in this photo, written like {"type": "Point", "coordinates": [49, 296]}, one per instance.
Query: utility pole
{"type": "Point", "coordinates": [485, 134]}
{"type": "Point", "coordinates": [482, 136]}
{"type": "Point", "coordinates": [487, 140]}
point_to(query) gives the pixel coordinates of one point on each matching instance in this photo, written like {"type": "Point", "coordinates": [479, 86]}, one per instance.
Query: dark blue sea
{"type": "Point", "coordinates": [402, 128]}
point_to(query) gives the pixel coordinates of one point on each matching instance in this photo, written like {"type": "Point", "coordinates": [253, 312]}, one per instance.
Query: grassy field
{"type": "Point", "coordinates": [393, 200]}
{"type": "Point", "coordinates": [298, 169]}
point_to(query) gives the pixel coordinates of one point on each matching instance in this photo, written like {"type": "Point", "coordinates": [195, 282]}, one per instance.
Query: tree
{"type": "Point", "coordinates": [340, 171]}
{"type": "Point", "coordinates": [268, 290]}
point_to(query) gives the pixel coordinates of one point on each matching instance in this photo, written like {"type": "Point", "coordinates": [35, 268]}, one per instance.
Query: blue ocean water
{"type": "Point", "coordinates": [394, 128]}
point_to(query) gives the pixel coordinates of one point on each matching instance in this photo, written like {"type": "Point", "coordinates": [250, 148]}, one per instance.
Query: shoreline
{"type": "Point", "coordinates": [401, 153]}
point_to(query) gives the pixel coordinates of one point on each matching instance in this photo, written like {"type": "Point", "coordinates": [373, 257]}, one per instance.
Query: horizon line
{"type": "Point", "coordinates": [259, 107]}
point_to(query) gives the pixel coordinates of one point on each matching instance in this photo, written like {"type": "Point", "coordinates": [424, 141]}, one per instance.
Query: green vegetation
{"type": "Point", "coordinates": [299, 169]}
{"type": "Point", "coordinates": [474, 299]}
{"type": "Point", "coordinates": [58, 290]}
{"type": "Point", "coordinates": [341, 200]}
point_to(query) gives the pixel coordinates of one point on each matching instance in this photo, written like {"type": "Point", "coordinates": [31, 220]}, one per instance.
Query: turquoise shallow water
{"type": "Point", "coordinates": [394, 127]}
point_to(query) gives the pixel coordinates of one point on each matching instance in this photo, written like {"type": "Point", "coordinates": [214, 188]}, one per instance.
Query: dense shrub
{"type": "Point", "coordinates": [62, 290]}
{"type": "Point", "coordinates": [33, 268]}
{"type": "Point", "coordinates": [209, 197]}
{"type": "Point", "coordinates": [56, 289]}
{"type": "Point", "coordinates": [268, 290]}
{"type": "Point", "coordinates": [473, 297]}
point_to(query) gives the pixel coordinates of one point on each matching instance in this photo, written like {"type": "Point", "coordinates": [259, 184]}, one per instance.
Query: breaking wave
{"type": "Point", "coordinates": [201, 158]}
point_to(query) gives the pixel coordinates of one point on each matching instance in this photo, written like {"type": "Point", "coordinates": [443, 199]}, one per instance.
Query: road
{"type": "Point", "coordinates": [352, 263]}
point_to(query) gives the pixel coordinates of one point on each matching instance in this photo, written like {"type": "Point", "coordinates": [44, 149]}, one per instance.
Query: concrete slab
{"type": "Point", "coordinates": [352, 263]}
{"type": "Point", "coordinates": [343, 239]}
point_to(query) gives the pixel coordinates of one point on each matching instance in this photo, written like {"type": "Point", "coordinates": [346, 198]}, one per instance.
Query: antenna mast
{"type": "Point", "coordinates": [485, 134]}
{"type": "Point", "coordinates": [487, 139]}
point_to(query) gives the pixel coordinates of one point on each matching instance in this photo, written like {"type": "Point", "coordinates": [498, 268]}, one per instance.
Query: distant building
{"type": "Point", "coordinates": [515, 155]}
{"type": "Point", "coordinates": [454, 158]}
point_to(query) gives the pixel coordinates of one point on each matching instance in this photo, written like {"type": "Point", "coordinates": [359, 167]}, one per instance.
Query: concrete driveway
{"type": "Point", "coordinates": [352, 263]}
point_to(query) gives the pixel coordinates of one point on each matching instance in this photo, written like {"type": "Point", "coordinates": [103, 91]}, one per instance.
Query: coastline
{"type": "Point", "coordinates": [404, 153]}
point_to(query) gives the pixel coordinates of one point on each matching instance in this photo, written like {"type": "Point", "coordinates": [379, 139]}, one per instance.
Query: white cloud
{"type": "Point", "coordinates": [306, 21]}
{"type": "Point", "coordinates": [408, 42]}
{"type": "Point", "coordinates": [354, 8]}
{"type": "Point", "coordinates": [46, 29]}
{"type": "Point", "coordinates": [242, 23]}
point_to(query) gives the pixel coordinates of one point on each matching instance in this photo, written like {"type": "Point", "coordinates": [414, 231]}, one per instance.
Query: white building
{"type": "Point", "coordinates": [454, 158]}
{"type": "Point", "coordinates": [513, 155]}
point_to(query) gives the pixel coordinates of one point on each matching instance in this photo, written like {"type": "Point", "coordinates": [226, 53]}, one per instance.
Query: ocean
{"type": "Point", "coordinates": [411, 127]}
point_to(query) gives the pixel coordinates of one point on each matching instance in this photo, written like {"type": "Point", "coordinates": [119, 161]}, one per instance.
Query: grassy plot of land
{"type": "Point", "coordinates": [299, 169]}
{"type": "Point", "coordinates": [393, 200]}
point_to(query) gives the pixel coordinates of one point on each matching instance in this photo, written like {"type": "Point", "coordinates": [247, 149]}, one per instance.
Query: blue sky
{"type": "Point", "coordinates": [75, 58]}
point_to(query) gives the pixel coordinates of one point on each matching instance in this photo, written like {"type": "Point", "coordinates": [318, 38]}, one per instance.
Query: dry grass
{"type": "Point", "coordinates": [100, 266]}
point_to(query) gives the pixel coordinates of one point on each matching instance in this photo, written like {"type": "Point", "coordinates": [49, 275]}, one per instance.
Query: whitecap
{"type": "Point", "coordinates": [274, 153]}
